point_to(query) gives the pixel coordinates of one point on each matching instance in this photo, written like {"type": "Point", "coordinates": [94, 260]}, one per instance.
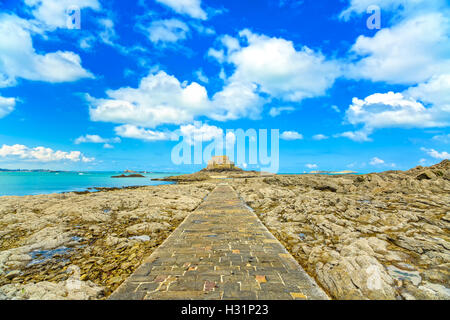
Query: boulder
{"type": "Point", "coordinates": [147, 228]}
{"type": "Point", "coordinates": [426, 175]}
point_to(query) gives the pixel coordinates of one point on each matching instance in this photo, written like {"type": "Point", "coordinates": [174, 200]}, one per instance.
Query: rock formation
{"type": "Point", "coordinates": [376, 236]}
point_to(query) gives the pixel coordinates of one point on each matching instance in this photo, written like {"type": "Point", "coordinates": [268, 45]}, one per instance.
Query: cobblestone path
{"type": "Point", "coordinates": [220, 251]}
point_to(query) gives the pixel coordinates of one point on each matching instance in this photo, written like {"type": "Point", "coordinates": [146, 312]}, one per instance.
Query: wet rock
{"type": "Point", "coordinates": [401, 274]}
{"type": "Point", "coordinates": [12, 274]}
{"type": "Point", "coordinates": [147, 227]}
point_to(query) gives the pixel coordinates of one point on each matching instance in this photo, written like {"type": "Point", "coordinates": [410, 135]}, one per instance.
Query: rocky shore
{"type": "Point", "coordinates": [375, 236]}
{"type": "Point", "coordinates": [213, 175]}
{"type": "Point", "coordinates": [82, 246]}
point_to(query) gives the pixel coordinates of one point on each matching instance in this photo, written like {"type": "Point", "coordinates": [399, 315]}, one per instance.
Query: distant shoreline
{"type": "Point", "coordinates": [162, 172]}
{"type": "Point", "coordinates": [86, 171]}
{"type": "Point", "coordinates": [25, 183]}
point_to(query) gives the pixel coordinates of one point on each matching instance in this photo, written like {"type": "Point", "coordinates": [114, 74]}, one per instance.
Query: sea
{"type": "Point", "coordinates": [20, 183]}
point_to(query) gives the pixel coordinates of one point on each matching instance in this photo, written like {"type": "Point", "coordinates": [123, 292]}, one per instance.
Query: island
{"type": "Point", "coordinates": [135, 175]}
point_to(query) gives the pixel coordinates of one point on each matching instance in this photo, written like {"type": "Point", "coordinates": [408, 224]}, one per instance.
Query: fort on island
{"type": "Point", "coordinates": [220, 163]}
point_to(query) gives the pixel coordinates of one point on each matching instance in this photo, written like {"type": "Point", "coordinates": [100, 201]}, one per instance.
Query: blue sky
{"type": "Point", "coordinates": [110, 95]}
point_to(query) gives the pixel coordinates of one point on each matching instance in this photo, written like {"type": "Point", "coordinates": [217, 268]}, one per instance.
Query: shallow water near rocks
{"type": "Point", "coordinates": [400, 274]}
{"type": "Point", "coordinates": [140, 238]}
{"type": "Point", "coordinates": [33, 183]}
{"type": "Point", "coordinates": [41, 256]}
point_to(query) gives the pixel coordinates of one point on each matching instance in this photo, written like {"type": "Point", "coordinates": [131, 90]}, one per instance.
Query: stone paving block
{"type": "Point", "coordinates": [220, 251]}
{"type": "Point", "coordinates": [126, 288]}
{"type": "Point", "coordinates": [239, 295]}
{"type": "Point", "coordinates": [271, 295]}
{"type": "Point", "coordinates": [236, 278]}
{"type": "Point", "coordinates": [175, 295]}
{"type": "Point", "coordinates": [129, 295]}
{"type": "Point", "coordinates": [138, 279]}
{"type": "Point", "coordinates": [186, 285]}
{"type": "Point", "coordinates": [273, 287]}
{"type": "Point", "coordinates": [147, 286]}
{"type": "Point", "coordinates": [298, 296]}
{"type": "Point", "coordinates": [211, 295]}
{"type": "Point", "coordinates": [209, 285]}
{"type": "Point", "coordinates": [274, 278]}
{"type": "Point", "coordinates": [229, 286]}
{"type": "Point", "coordinates": [249, 285]}
{"type": "Point", "coordinates": [143, 270]}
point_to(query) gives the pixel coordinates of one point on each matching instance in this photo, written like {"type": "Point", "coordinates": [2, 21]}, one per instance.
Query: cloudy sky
{"type": "Point", "coordinates": [110, 95]}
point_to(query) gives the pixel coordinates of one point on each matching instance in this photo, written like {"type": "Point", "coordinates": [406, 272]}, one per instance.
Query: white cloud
{"type": "Point", "coordinates": [222, 74]}
{"type": "Point", "coordinates": [6, 106]}
{"type": "Point", "coordinates": [219, 55]}
{"type": "Point", "coordinates": [414, 51]}
{"type": "Point", "coordinates": [265, 66]}
{"type": "Point", "coordinates": [436, 154]}
{"type": "Point", "coordinates": [41, 154]}
{"type": "Point", "coordinates": [135, 132]}
{"type": "Point", "coordinates": [291, 135]}
{"type": "Point", "coordinates": [229, 45]}
{"type": "Point", "coordinates": [435, 91]}
{"type": "Point", "coordinates": [201, 29]}
{"type": "Point", "coordinates": [311, 166]}
{"type": "Point", "coordinates": [108, 33]}
{"type": "Point", "coordinates": [376, 161]}
{"type": "Point", "coordinates": [103, 31]}
{"type": "Point", "coordinates": [335, 108]}
{"type": "Point", "coordinates": [159, 99]}
{"type": "Point", "coordinates": [402, 7]}
{"type": "Point", "coordinates": [351, 165]}
{"type": "Point", "coordinates": [18, 58]}
{"type": "Point", "coordinates": [410, 52]}
{"type": "Point", "coordinates": [236, 100]}
{"type": "Point", "coordinates": [162, 99]}
{"type": "Point", "coordinates": [444, 138]}
{"type": "Point", "coordinates": [190, 133]}
{"type": "Point", "coordinates": [170, 30]}
{"type": "Point", "coordinates": [392, 110]}
{"type": "Point", "coordinates": [87, 42]}
{"type": "Point", "coordinates": [191, 8]}
{"type": "Point", "coordinates": [358, 136]}
{"type": "Point", "coordinates": [201, 76]}
{"type": "Point", "coordinates": [320, 137]}
{"type": "Point", "coordinates": [53, 13]}
{"type": "Point", "coordinates": [274, 111]}
{"type": "Point", "coordinates": [49, 15]}
{"type": "Point", "coordinates": [200, 132]}
{"type": "Point", "coordinates": [93, 138]}
{"type": "Point", "coordinates": [278, 68]}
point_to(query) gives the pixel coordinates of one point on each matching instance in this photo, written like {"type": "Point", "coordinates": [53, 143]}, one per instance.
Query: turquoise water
{"type": "Point", "coordinates": [32, 183]}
